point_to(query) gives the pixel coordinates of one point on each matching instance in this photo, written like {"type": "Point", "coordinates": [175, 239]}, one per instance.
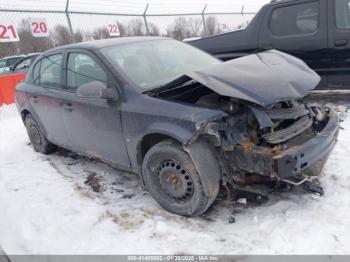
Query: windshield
{"type": "Point", "coordinates": [2, 63]}
{"type": "Point", "coordinates": [152, 64]}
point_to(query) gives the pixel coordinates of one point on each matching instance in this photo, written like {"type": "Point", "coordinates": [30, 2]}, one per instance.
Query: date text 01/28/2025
{"type": "Point", "coordinates": [173, 258]}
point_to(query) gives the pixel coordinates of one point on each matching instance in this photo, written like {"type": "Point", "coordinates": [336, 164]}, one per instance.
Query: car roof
{"type": "Point", "coordinates": [9, 57]}
{"type": "Point", "coordinates": [276, 2]}
{"type": "Point", "coordinates": [97, 44]}
{"type": "Point", "coordinates": [33, 54]}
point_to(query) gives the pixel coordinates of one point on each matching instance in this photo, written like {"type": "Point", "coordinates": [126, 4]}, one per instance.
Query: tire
{"type": "Point", "coordinates": [173, 181]}
{"type": "Point", "coordinates": [37, 138]}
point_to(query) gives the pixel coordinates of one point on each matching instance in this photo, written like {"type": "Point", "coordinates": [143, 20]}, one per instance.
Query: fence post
{"type": "Point", "coordinates": [145, 19]}
{"type": "Point", "coordinates": [203, 19]}
{"type": "Point", "coordinates": [69, 23]}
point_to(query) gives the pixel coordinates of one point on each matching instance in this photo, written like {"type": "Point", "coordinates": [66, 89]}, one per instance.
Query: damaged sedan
{"type": "Point", "coordinates": [186, 122]}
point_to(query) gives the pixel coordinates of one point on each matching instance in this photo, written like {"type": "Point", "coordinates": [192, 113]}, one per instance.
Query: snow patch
{"type": "Point", "coordinates": [47, 207]}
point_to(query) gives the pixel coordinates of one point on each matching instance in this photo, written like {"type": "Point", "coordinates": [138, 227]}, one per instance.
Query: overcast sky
{"type": "Point", "coordinates": [132, 7]}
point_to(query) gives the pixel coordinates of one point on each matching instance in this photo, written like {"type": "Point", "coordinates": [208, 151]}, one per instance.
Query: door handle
{"type": "Point", "coordinates": [34, 98]}
{"type": "Point", "coordinates": [67, 106]}
{"type": "Point", "coordinates": [339, 43]}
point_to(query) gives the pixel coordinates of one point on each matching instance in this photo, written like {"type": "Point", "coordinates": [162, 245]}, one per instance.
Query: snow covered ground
{"type": "Point", "coordinates": [48, 205]}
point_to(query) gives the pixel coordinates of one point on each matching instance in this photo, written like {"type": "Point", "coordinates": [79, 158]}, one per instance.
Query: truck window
{"type": "Point", "coordinates": [342, 14]}
{"type": "Point", "coordinates": [295, 19]}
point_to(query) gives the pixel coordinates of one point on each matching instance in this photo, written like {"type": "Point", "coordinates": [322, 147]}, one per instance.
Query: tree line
{"type": "Point", "coordinates": [179, 29]}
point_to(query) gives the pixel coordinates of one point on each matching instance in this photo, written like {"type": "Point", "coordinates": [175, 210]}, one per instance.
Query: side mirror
{"type": "Point", "coordinates": [97, 89]}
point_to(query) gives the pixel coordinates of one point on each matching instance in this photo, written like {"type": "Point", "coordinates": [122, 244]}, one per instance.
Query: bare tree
{"type": "Point", "coordinates": [243, 24]}
{"type": "Point", "coordinates": [153, 29]}
{"type": "Point", "coordinates": [30, 44]}
{"type": "Point", "coordinates": [122, 29]}
{"type": "Point", "coordinates": [179, 29]}
{"type": "Point", "coordinates": [136, 27]}
{"type": "Point", "coordinates": [196, 26]}
{"type": "Point", "coordinates": [61, 35]}
{"type": "Point", "coordinates": [212, 25]}
{"type": "Point", "coordinates": [78, 36]}
{"type": "Point", "coordinates": [7, 49]}
{"type": "Point", "coordinates": [100, 33]}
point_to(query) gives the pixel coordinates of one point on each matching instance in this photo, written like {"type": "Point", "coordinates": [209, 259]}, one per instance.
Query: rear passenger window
{"type": "Point", "coordinates": [47, 72]}
{"type": "Point", "coordinates": [83, 69]}
{"type": "Point", "coordinates": [295, 19]}
{"type": "Point", "coordinates": [342, 14]}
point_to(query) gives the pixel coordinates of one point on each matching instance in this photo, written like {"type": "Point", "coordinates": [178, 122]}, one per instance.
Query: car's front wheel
{"type": "Point", "coordinates": [37, 137]}
{"type": "Point", "coordinates": [173, 181]}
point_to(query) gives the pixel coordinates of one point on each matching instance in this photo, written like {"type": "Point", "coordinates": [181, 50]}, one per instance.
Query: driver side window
{"type": "Point", "coordinates": [82, 69]}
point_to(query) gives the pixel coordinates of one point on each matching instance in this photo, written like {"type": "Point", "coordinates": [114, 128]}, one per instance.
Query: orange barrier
{"type": "Point", "coordinates": [7, 87]}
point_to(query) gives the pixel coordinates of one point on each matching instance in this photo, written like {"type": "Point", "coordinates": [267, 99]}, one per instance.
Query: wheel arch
{"type": "Point", "coordinates": [24, 114]}
{"type": "Point", "coordinates": [152, 138]}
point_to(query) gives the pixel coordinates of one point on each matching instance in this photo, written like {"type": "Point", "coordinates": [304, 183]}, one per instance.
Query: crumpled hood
{"type": "Point", "coordinates": [264, 78]}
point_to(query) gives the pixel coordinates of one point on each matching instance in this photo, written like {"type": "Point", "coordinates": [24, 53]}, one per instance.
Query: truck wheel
{"type": "Point", "coordinates": [173, 181]}
{"type": "Point", "coordinates": [37, 138]}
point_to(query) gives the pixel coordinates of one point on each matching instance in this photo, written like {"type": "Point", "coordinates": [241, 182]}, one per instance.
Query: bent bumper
{"type": "Point", "coordinates": [298, 158]}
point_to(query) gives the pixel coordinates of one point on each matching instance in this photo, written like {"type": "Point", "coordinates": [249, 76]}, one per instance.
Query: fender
{"type": "Point", "coordinates": [179, 134]}
{"type": "Point", "coordinates": [23, 104]}
{"type": "Point", "coordinates": [207, 164]}
{"type": "Point", "coordinates": [182, 134]}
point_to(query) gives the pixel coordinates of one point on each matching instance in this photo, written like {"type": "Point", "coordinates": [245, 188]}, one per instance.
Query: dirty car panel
{"type": "Point", "coordinates": [184, 127]}
{"type": "Point", "coordinates": [268, 130]}
{"type": "Point", "coordinates": [263, 78]}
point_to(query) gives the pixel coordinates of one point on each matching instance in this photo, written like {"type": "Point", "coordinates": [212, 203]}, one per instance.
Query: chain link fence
{"type": "Point", "coordinates": [68, 21]}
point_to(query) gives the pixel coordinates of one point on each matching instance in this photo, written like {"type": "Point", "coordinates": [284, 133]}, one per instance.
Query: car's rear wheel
{"type": "Point", "coordinates": [37, 137]}
{"type": "Point", "coordinates": [173, 181]}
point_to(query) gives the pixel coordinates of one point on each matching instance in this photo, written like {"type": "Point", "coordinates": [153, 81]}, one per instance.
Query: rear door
{"type": "Point", "coordinates": [45, 94]}
{"type": "Point", "coordinates": [93, 125]}
{"type": "Point", "coordinates": [300, 29]}
{"type": "Point", "coordinates": [339, 42]}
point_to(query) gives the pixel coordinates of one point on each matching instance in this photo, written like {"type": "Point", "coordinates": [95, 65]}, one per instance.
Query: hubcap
{"type": "Point", "coordinates": [34, 134]}
{"type": "Point", "coordinates": [175, 180]}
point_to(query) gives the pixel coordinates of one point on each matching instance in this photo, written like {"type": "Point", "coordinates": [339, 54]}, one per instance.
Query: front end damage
{"type": "Point", "coordinates": [292, 148]}
{"type": "Point", "coordinates": [268, 134]}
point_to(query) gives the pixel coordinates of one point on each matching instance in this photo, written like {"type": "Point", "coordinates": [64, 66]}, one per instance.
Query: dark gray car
{"type": "Point", "coordinates": [186, 122]}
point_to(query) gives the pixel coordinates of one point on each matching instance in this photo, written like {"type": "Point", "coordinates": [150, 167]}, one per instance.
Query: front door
{"type": "Point", "coordinates": [300, 29]}
{"type": "Point", "coordinates": [93, 125]}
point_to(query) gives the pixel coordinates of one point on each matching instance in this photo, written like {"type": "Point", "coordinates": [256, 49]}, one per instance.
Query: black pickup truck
{"type": "Point", "coordinates": [316, 31]}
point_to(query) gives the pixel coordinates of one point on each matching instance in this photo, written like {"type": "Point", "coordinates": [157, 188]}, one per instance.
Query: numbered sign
{"type": "Point", "coordinates": [8, 32]}
{"type": "Point", "coordinates": [39, 27]}
{"type": "Point", "coordinates": [113, 29]}
{"type": "Point", "coordinates": [225, 28]}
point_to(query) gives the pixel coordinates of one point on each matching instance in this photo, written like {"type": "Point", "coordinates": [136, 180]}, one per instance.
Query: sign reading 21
{"type": "Point", "coordinates": [8, 32]}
